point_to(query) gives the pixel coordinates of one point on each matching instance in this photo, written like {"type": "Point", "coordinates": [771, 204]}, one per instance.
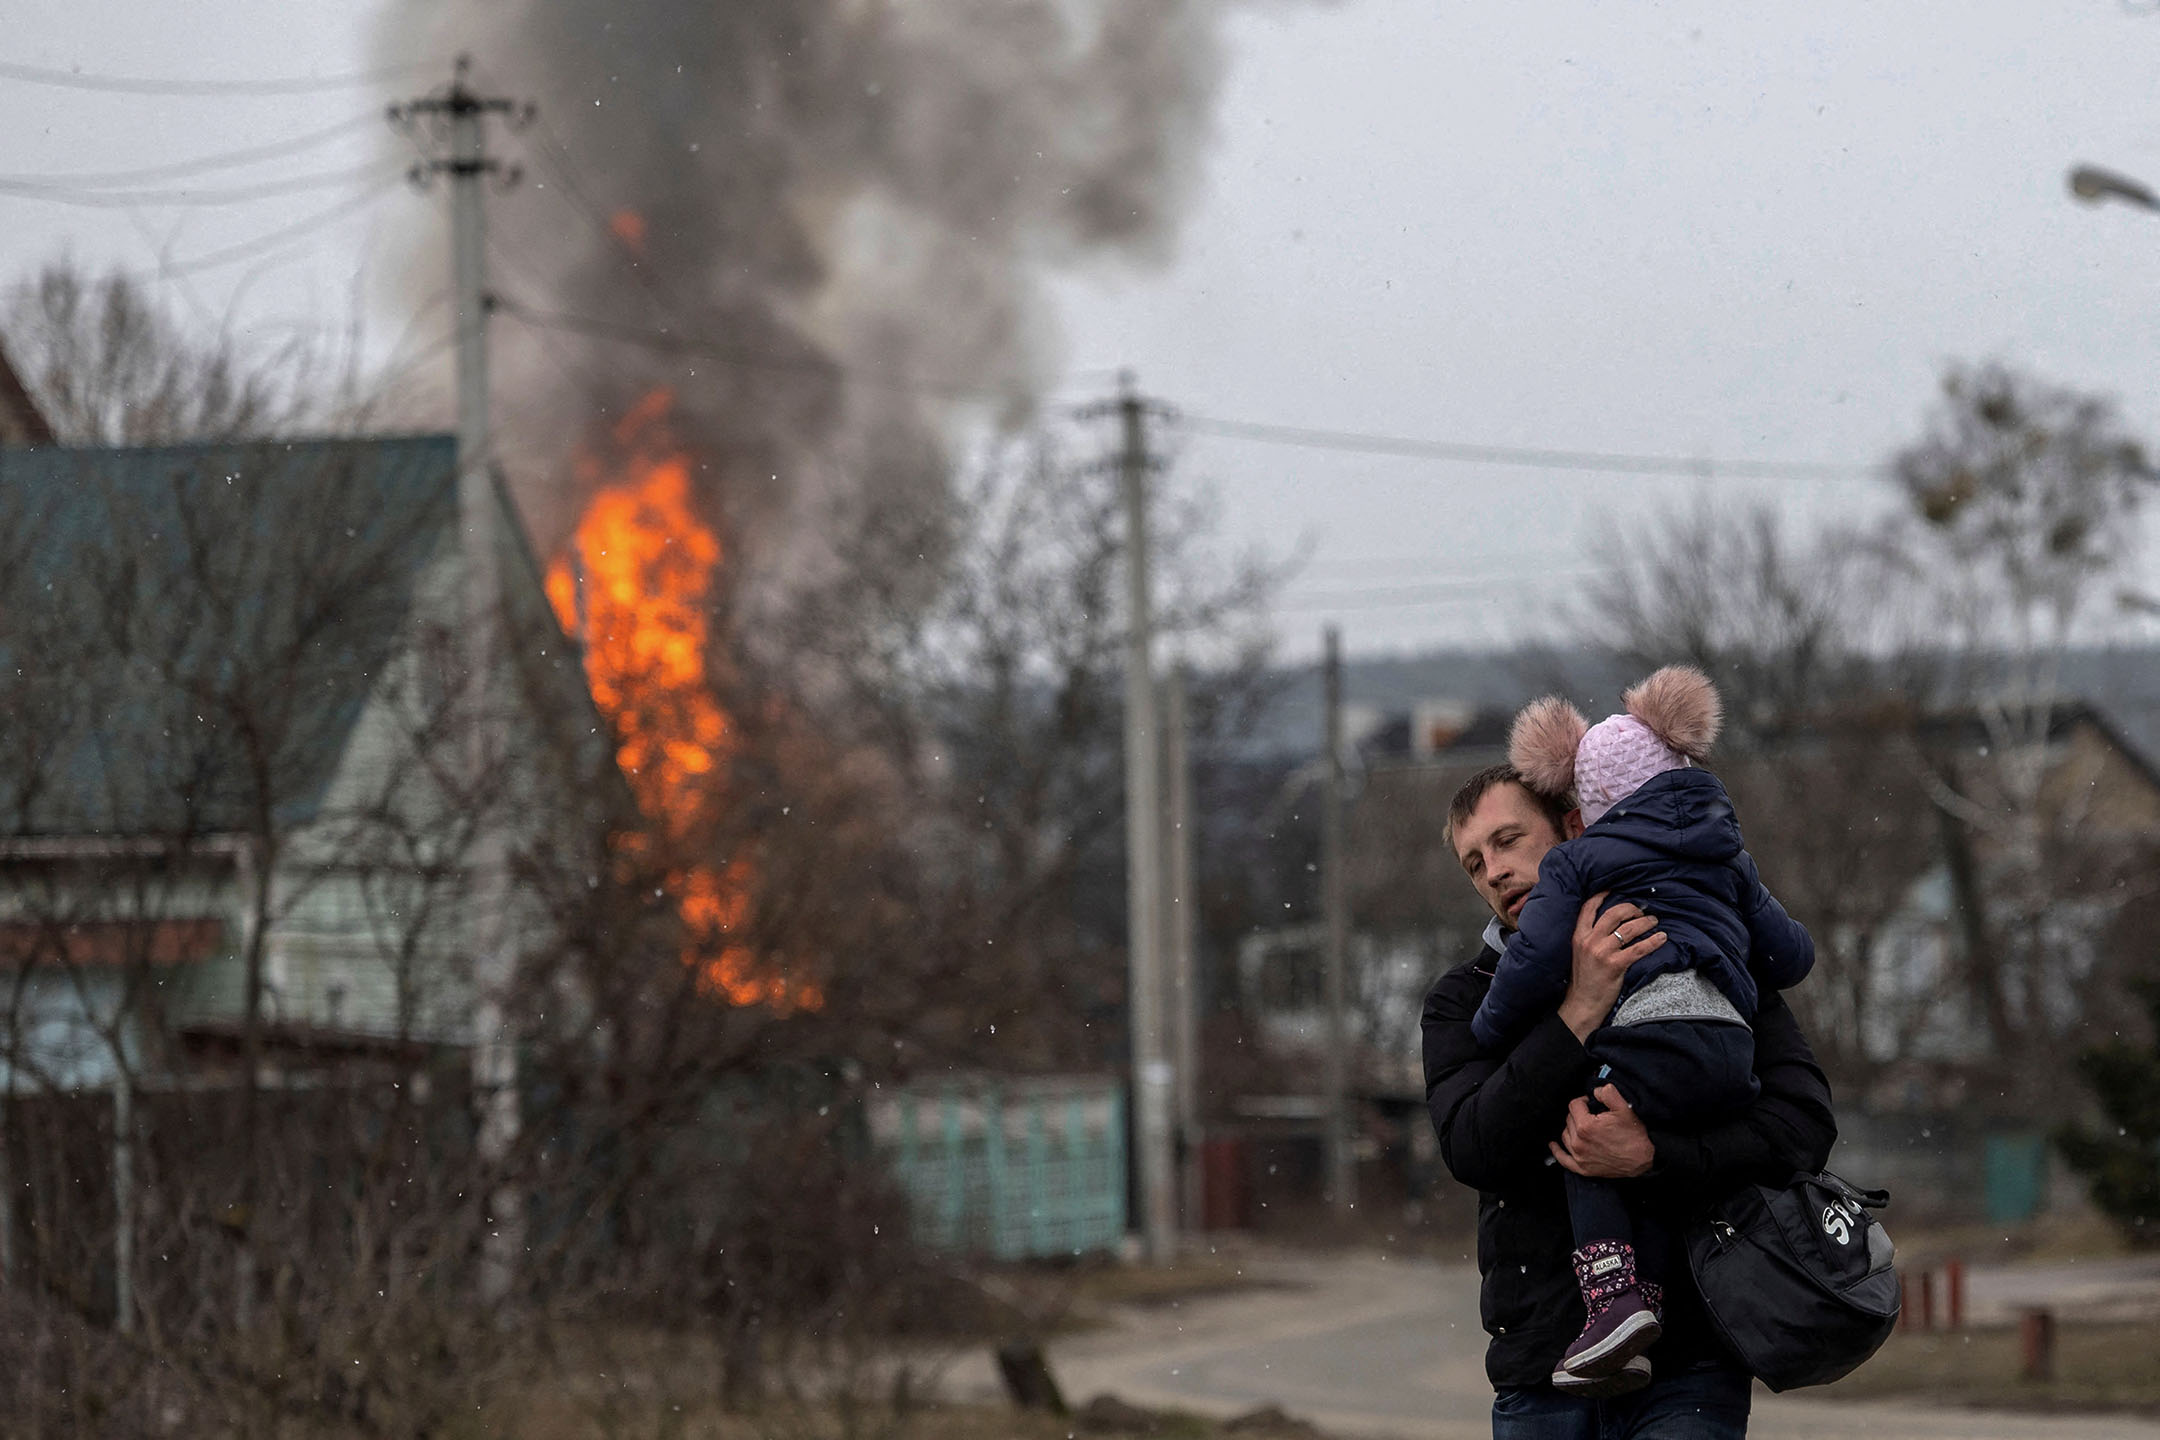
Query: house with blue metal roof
{"type": "Point", "coordinates": [245, 767]}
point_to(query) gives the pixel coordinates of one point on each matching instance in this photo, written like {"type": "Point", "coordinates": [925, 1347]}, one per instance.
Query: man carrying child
{"type": "Point", "coordinates": [1514, 1121]}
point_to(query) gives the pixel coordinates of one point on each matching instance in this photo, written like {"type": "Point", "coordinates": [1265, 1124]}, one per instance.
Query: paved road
{"type": "Point", "coordinates": [1370, 1346]}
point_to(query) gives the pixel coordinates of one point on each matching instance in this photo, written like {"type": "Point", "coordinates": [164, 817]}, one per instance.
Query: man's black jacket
{"type": "Point", "coordinates": [1494, 1117]}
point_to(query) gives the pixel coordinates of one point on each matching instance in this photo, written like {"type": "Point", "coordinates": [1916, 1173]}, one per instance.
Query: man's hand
{"type": "Point", "coordinates": [1605, 945]}
{"type": "Point", "coordinates": [1608, 1146]}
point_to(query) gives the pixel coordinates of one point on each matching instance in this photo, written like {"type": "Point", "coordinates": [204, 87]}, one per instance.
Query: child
{"type": "Point", "coordinates": [1661, 833]}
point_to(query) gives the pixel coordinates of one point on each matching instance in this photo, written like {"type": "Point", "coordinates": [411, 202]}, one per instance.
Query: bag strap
{"type": "Point", "coordinates": [1869, 1199]}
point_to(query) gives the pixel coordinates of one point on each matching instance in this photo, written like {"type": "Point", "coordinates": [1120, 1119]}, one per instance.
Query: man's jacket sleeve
{"type": "Point", "coordinates": [1493, 1114]}
{"type": "Point", "coordinates": [1532, 975]}
{"type": "Point", "coordinates": [1788, 1130]}
{"type": "Point", "coordinates": [1780, 950]}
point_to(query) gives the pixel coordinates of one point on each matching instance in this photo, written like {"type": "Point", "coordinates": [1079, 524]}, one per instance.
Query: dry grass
{"type": "Point", "coordinates": [625, 1384]}
{"type": "Point", "coordinates": [2097, 1367]}
{"type": "Point", "coordinates": [538, 1420]}
{"type": "Point", "coordinates": [618, 1382]}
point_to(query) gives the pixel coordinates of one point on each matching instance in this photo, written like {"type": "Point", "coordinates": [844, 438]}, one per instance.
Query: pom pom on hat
{"type": "Point", "coordinates": [1541, 745]}
{"type": "Point", "coordinates": [1680, 706]}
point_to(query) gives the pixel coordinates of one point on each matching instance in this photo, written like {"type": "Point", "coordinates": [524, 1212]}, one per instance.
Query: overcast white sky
{"type": "Point", "coordinates": [1691, 229]}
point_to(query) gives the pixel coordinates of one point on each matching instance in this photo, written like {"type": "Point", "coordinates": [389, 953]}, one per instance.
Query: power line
{"type": "Point", "coordinates": [284, 235]}
{"type": "Point", "coordinates": [1369, 567]}
{"type": "Point", "coordinates": [229, 160]}
{"type": "Point", "coordinates": [147, 85]}
{"type": "Point", "coordinates": [1607, 462]}
{"type": "Point", "coordinates": [669, 343]}
{"type": "Point", "coordinates": [268, 243]}
{"type": "Point", "coordinates": [1341, 440]}
{"type": "Point", "coordinates": [1449, 591]}
{"type": "Point", "coordinates": [233, 195]}
{"type": "Point", "coordinates": [413, 322]}
{"type": "Point", "coordinates": [1337, 607]}
{"type": "Point", "coordinates": [667, 299]}
{"type": "Point", "coordinates": [552, 342]}
{"type": "Point", "coordinates": [1376, 597]}
{"type": "Point", "coordinates": [384, 380]}
{"type": "Point", "coordinates": [575, 368]}
{"type": "Point", "coordinates": [558, 157]}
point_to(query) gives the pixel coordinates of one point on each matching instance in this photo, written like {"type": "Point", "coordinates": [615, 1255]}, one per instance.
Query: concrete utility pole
{"type": "Point", "coordinates": [1341, 1164]}
{"type": "Point", "coordinates": [1181, 942]}
{"type": "Point", "coordinates": [494, 1047]}
{"type": "Point", "coordinates": [1143, 840]}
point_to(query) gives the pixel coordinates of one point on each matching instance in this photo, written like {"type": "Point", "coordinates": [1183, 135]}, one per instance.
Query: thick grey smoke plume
{"type": "Point", "coordinates": [856, 199]}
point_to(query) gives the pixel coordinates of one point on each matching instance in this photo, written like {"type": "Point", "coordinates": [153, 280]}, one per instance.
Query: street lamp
{"type": "Point", "coordinates": [2093, 185]}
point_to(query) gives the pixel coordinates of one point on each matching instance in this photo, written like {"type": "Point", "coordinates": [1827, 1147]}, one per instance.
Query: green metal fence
{"type": "Point", "coordinates": [1009, 1168]}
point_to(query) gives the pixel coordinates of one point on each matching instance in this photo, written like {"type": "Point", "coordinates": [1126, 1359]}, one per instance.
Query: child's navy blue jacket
{"type": "Point", "coordinates": [1673, 848]}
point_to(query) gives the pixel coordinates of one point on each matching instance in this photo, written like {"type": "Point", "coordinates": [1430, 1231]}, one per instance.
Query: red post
{"type": "Point", "coordinates": [1904, 1301]}
{"type": "Point", "coordinates": [2036, 1343]}
{"type": "Point", "coordinates": [1954, 1293]}
{"type": "Point", "coordinates": [1226, 1196]}
{"type": "Point", "coordinates": [1927, 1300]}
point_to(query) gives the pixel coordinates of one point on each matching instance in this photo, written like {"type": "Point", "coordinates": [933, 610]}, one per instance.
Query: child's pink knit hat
{"type": "Point", "coordinates": [1671, 722]}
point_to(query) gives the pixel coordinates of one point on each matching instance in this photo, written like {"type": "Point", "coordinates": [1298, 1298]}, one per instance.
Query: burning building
{"type": "Point", "coordinates": [770, 255]}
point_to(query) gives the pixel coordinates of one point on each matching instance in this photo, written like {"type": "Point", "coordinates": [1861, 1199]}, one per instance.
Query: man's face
{"type": "Point", "coordinates": [1501, 846]}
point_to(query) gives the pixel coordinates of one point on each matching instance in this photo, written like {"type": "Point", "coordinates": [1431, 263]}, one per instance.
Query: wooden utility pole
{"type": "Point", "coordinates": [123, 1188]}
{"type": "Point", "coordinates": [1341, 1163]}
{"type": "Point", "coordinates": [480, 509]}
{"type": "Point", "coordinates": [1181, 941]}
{"type": "Point", "coordinates": [1151, 1072]}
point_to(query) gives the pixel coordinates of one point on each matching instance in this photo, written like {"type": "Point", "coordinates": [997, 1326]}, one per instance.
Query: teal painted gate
{"type": "Point", "coordinates": [1009, 1168]}
{"type": "Point", "coordinates": [2016, 1177]}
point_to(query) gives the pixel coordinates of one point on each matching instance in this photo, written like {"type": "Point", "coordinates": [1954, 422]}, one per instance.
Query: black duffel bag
{"type": "Point", "coordinates": [1798, 1280]}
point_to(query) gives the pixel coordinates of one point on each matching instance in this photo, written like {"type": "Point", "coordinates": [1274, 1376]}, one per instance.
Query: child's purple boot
{"type": "Point", "coordinates": [1621, 1323]}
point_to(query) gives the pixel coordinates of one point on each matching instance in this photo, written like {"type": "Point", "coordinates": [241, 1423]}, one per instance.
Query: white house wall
{"type": "Point", "coordinates": [333, 962]}
{"type": "Point", "coordinates": [334, 957]}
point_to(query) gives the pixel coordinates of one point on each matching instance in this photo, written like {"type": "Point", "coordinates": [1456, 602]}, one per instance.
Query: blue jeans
{"type": "Point", "coordinates": [1709, 1402]}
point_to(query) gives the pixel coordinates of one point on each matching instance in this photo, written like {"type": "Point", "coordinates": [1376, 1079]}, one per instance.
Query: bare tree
{"type": "Point", "coordinates": [1897, 709]}
{"type": "Point", "coordinates": [2022, 500]}
{"type": "Point", "coordinates": [1819, 750]}
{"type": "Point", "coordinates": [108, 365]}
{"type": "Point", "coordinates": [1780, 622]}
{"type": "Point", "coordinates": [992, 700]}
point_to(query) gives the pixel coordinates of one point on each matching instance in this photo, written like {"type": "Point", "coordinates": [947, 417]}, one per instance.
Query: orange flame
{"type": "Point", "coordinates": [636, 584]}
{"type": "Point", "coordinates": [648, 566]}
{"type": "Point", "coordinates": [629, 227]}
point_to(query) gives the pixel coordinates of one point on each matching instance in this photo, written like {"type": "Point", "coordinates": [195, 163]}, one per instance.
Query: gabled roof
{"type": "Point", "coordinates": [148, 588]}
{"type": "Point", "coordinates": [2064, 714]}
